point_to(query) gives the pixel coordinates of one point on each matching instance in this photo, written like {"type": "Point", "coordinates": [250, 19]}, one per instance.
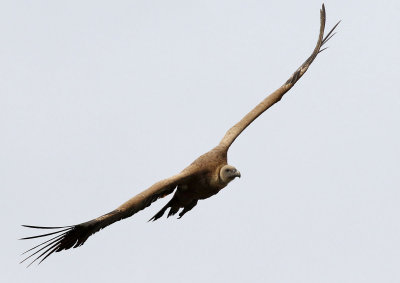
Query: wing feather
{"type": "Point", "coordinates": [276, 96]}
{"type": "Point", "coordinates": [67, 237]}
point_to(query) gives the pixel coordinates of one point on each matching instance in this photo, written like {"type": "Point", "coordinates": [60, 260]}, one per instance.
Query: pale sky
{"type": "Point", "coordinates": [99, 100]}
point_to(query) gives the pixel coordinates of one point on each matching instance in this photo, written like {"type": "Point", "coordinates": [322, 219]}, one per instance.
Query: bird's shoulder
{"type": "Point", "coordinates": [209, 161]}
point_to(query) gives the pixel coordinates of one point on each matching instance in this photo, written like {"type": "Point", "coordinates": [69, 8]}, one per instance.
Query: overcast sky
{"type": "Point", "coordinates": [100, 99]}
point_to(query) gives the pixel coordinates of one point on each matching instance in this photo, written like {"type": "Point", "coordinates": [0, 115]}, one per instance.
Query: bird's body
{"type": "Point", "coordinates": [204, 184]}
{"type": "Point", "coordinates": [203, 178]}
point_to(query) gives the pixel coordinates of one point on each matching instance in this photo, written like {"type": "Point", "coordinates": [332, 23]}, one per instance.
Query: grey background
{"type": "Point", "coordinates": [99, 100]}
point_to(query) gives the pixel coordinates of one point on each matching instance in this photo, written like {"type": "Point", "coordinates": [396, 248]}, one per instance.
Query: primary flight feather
{"type": "Point", "coordinates": [205, 177]}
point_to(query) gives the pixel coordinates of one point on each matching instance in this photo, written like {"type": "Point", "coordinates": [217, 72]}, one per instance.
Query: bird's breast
{"type": "Point", "coordinates": [197, 190]}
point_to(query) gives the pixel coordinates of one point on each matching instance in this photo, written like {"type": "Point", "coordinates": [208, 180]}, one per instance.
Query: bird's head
{"type": "Point", "coordinates": [228, 173]}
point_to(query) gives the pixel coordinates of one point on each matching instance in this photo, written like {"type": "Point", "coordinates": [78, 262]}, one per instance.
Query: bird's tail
{"type": "Point", "coordinates": [175, 205]}
{"type": "Point", "coordinates": [171, 204]}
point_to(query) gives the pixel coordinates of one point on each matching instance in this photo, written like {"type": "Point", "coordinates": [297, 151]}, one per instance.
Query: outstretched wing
{"type": "Point", "coordinates": [66, 237]}
{"type": "Point", "coordinates": [274, 97]}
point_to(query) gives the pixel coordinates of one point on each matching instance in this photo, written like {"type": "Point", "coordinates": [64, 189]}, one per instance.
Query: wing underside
{"type": "Point", "coordinates": [66, 237]}
{"type": "Point", "coordinates": [276, 96]}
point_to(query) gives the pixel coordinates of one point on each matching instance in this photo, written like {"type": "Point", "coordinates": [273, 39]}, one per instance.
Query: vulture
{"type": "Point", "coordinates": [203, 178]}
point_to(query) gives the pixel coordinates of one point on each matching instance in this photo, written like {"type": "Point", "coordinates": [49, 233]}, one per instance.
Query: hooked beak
{"type": "Point", "coordinates": [237, 174]}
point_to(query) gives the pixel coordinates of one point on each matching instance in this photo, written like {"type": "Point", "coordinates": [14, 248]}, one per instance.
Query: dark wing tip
{"type": "Point", "coordinates": [44, 227]}
{"type": "Point", "coordinates": [64, 238]}
{"type": "Point", "coordinates": [47, 247]}
{"type": "Point", "coordinates": [330, 34]}
{"type": "Point", "coordinates": [44, 235]}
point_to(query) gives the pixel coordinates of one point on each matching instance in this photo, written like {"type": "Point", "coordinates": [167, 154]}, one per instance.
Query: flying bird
{"type": "Point", "coordinates": [203, 178]}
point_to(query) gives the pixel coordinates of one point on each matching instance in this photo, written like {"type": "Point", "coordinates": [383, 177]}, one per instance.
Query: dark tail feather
{"type": "Point", "coordinates": [173, 210]}
{"type": "Point", "coordinates": [159, 214]}
{"type": "Point", "coordinates": [187, 208]}
{"type": "Point", "coordinates": [163, 210]}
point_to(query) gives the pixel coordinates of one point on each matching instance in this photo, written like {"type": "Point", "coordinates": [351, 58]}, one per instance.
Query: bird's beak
{"type": "Point", "coordinates": [237, 174]}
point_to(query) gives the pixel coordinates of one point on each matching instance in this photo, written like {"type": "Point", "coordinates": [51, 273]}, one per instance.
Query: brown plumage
{"type": "Point", "coordinates": [205, 177]}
